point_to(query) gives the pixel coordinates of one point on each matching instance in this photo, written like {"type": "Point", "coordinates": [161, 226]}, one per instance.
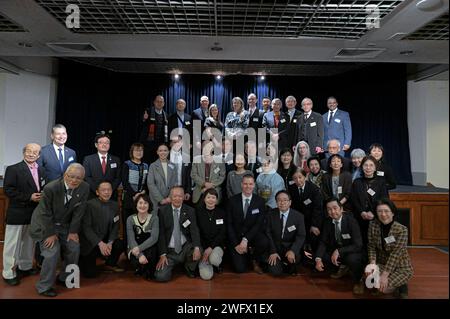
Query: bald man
{"type": "Point", "coordinates": [23, 184]}
{"type": "Point", "coordinates": [55, 225]}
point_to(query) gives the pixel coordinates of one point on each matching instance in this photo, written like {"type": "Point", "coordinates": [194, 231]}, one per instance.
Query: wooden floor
{"type": "Point", "coordinates": [431, 280]}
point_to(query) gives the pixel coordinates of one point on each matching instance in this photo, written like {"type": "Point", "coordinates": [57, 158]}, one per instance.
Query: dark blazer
{"type": "Point", "coordinates": [197, 114]}
{"type": "Point", "coordinates": [255, 121]}
{"type": "Point", "coordinates": [313, 212]}
{"type": "Point", "coordinates": [191, 232]}
{"type": "Point", "coordinates": [212, 227]}
{"type": "Point", "coordinates": [384, 170]}
{"type": "Point", "coordinates": [49, 161]}
{"type": "Point", "coordinates": [94, 174]}
{"type": "Point", "coordinates": [292, 129]}
{"type": "Point", "coordinates": [346, 165]}
{"type": "Point", "coordinates": [51, 210]}
{"type": "Point", "coordinates": [173, 123]}
{"type": "Point", "coordinates": [292, 240]}
{"type": "Point", "coordinates": [19, 186]}
{"type": "Point", "coordinates": [255, 167]}
{"type": "Point", "coordinates": [349, 228]}
{"type": "Point", "coordinates": [362, 201]}
{"type": "Point", "coordinates": [283, 127]}
{"type": "Point", "coordinates": [237, 226]}
{"type": "Point", "coordinates": [311, 131]}
{"type": "Point", "coordinates": [93, 226]}
{"type": "Point", "coordinates": [345, 182]}
{"type": "Point", "coordinates": [340, 128]}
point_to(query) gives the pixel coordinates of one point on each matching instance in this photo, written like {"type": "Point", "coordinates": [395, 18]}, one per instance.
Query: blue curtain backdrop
{"type": "Point", "coordinates": [91, 99]}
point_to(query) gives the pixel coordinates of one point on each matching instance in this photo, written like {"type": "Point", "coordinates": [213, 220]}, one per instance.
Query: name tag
{"type": "Point", "coordinates": [337, 120]}
{"type": "Point", "coordinates": [255, 211]}
{"type": "Point", "coordinates": [113, 165]}
{"type": "Point", "coordinates": [186, 164]}
{"type": "Point", "coordinates": [219, 221]}
{"type": "Point", "coordinates": [307, 201]}
{"type": "Point", "coordinates": [145, 172]}
{"type": "Point", "coordinates": [380, 173]}
{"type": "Point", "coordinates": [187, 123]}
{"type": "Point", "coordinates": [259, 170]}
{"type": "Point", "coordinates": [42, 182]}
{"type": "Point", "coordinates": [294, 121]}
{"type": "Point", "coordinates": [152, 119]}
{"type": "Point", "coordinates": [291, 182]}
{"type": "Point", "coordinates": [291, 228]}
{"type": "Point", "coordinates": [116, 219]}
{"type": "Point", "coordinates": [171, 166]}
{"type": "Point", "coordinates": [389, 239]}
{"type": "Point", "coordinates": [186, 223]}
{"type": "Point", "coordinates": [255, 119]}
{"type": "Point", "coordinates": [313, 124]}
{"type": "Point", "coordinates": [70, 159]}
{"type": "Point", "coordinates": [217, 170]}
{"type": "Point", "coordinates": [282, 120]}
{"type": "Point", "coordinates": [339, 189]}
{"type": "Point", "coordinates": [230, 162]}
{"type": "Point", "coordinates": [346, 236]}
{"type": "Point", "coordinates": [371, 192]}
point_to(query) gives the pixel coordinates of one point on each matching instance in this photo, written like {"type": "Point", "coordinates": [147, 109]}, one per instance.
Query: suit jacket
{"type": "Point", "coordinates": [310, 204]}
{"type": "Point", "coordinates": [173, 123]}
{"type": "Point", "coordinates": [292, 239]}
{"type": "Point", "coordinates": [216, 176]}
{"type": "Point", "coordinates": [362, 201]}
{"type": "Point", "coordinates": [93, 227]}
{"type": "Point", "coordinates": [350, 233]}
{"type": "Point", "coordinates": [191, 231]}
{"type": "Point", "coordinates": [346, 165]}
{"type": "Point", "coordinates": [311, 131]}
{"type": "Point", "coordinates": [292, 129]}
{"type": "Point", "coordinates": [51, 210]}
{"type": "Point", "coordinates": [345, 182]}
{"type": "Point", "coordinates": [283, 127]}
{"type": "Point", "coordinates": [158, 188]}
{"type": "Point", "coordinates": [340, 128]}
{"type": "Point", "coordinates": [237, 226]}
{"type": "Point", "coordinates": [255, 120]}
{"type": "Point", "coordinates": [94, 174]}
{"type": "Point", "coordinates": [19, 186]}
{"type": "Point", "coordinates": [49, 161]}
{"type": "Point", "coordinates": [394, 254]}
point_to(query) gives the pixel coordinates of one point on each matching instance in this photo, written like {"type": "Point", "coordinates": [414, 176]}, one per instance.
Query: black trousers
{"type": "Point", "coordinates": [355, 261]}
{"type": "Point", "coordinates": [88, 263]}
{"type": "Point", "coordinates": [147, 270]}
{"type": "Point", "coordinates": [256, 250]}
{"type": "Point", "coordinates": [283, 265]}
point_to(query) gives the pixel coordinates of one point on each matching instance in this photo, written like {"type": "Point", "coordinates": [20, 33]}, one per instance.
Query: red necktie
{"type": "Point", "coordinates": [277, 119]}
{"type": "Point", "coordinates": [104, 165]}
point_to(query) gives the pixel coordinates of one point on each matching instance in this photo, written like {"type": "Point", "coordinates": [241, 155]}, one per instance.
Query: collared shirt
{"type": "Point", "coordinates": [291, 113]}
{"type": "Point", "coordinates": [285, 216]}
{"type": "Point", "coordinates": [183, 238]}
{"type": "Point", "coordinates": [307, 114]}
{"type": "Point", "coordinates": [243, 200]}
{"type": "Point", "coordinates": [159, 111]}
{"type": "Point", "coordinates": [100, 157]}
{"type": "Point", "coordinates": [56, 147]}
{"type": "Point", "coordinates": [339, 221]}
{"type": "Point", "coordinates": [180, 119]}
{"type": "Point", "coordinates": [67, 193]}
{"type": "Point", "coordinates": [177, 158]}
{"type": "Point", "coordinates": [331, 112]}
{"type": "Point", "coordinates": [164, 167]}
{"type": "Point", "coordinates": [251, 110]}
{"type": "Point", "coordinates": [34, 172]}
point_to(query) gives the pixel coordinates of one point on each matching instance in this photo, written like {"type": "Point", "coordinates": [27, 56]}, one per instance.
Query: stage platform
{"type": "Point", "coordinates": [430, 281]}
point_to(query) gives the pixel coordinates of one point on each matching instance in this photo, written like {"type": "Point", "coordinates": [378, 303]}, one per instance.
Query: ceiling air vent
{"type": "Point", "coordinates": [355, 53]}
{"type": "Point", "coordinates": [71, 47]}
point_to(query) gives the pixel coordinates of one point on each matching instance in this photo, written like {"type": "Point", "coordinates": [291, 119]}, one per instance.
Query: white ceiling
{"type": "Point", "coordinates": [263, 31]}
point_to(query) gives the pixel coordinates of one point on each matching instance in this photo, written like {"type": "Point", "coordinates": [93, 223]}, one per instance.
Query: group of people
{"type": "Point", "coordinates": [300, 202]}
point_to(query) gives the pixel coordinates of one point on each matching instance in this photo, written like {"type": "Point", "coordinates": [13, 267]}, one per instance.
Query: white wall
{"type": "Point", "coordinates": [428, 122]}
{"type": "Point", "coordinates": [27, 104]}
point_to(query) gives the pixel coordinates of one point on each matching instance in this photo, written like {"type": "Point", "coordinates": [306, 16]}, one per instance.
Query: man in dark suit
{"type": "Point", "coordinates": [155, 129]}
{"type": "Point", "coordinates": [245, 226]}
{"type": "Point", "coordinates": [55, 224]}
{"type": "Point", "coordinates": [341, 244]}
{"type": "Point", "coordinates": [102, 166]}
{"type": "Point", "coordinates": [286, 233]}
{"type": "Point", "coordinates": [255, 121]}
{"type": "Point", "coordinates": [183, 165]}
{"type": "Point", "coordinates": [253, 161]}
{"type": "Point", "coordinates": [334, 147]}
{"type": "Point", "coordinates": [292, 127]}
{"type": "Point", "coordinates": [179, 237]}
{"type": "Point", "coordinates": [277, 125]}
{"type": "Point", "coordinates": [337, 125]}
{"type": "Point", "coordinates": [180, 120]}
{"type": "Point", "coordinates": [307, 199]}
{"type": "Point", "coordinates": [22, 185]}
{"type": "Point", "coordinates": [310, 127]}
{"type": "Point", "coordinates": [200, 114]}
{"type": "Point", "coordinates": [99, 236]}
{"type": "Point", "coordinates": [56, 157]}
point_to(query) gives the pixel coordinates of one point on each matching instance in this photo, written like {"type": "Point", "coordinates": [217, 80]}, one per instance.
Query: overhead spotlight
{"type": "Point", "coordinates": [176, 76]}
{"type": "Point", "coordinates": [218, 77]}
{"type": "Point", "coordinates": [262, 77]}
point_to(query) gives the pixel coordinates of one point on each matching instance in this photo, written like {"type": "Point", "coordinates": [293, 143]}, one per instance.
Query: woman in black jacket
{"type": "Point", "coordinates": [336, 182]}
{"type": "Point", "coordinates": [383, 169]}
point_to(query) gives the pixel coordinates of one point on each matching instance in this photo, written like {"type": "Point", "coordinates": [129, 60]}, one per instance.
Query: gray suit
{"type": "Point", "coordinates": [216, 176]}
{"type": "Point", "coordinates": [52, 217]}
{"type": "Point", "coordinates": [157, 186]}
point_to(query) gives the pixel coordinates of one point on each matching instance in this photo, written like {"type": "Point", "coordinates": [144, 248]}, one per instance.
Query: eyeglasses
{"type": "Point", "coordinates": [78, 178]}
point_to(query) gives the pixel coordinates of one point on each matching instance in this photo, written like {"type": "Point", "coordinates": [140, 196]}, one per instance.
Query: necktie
{"type": "Point", "coordinates": [104, 165]}
{"type": "Point", "coordinates": [331, 116]}
{"type": "Point", "coordinates": [246, 206]}
{"type": "Point", "coordinates": [68, 197]}
{"type": "Point", "coordinates": [282, 224]}
{"type": "Point", "coordinates": [61, 159]}
{"type": "Point", "coordinates": [300, 192]}
{"type": "Point", "coordinates": [176, 231]}
{"type": "Point", "coordinates": [276, 119]}
{"type": "Point", "coordinates": [337, 231]}
{"type": "Point", "coordinates": [305, 117]}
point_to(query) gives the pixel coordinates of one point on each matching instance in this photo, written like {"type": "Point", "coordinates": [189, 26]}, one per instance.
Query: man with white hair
{"type": "Point", "coordinates": [294, 114]}
{"type": "Point", "coordinates": [310, 127]}
{"type": "Point", "coordinates": [334, 147]}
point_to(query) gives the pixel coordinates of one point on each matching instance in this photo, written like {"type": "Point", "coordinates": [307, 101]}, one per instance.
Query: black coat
{"type": "Point", "coordinates": [237, 226]}
{"type": "Point", "coordinates": [212, 227]}
{"type": "Point", "coordinates": [312, 211]}
{"type": "Point", "coordinates": [19, 186]}
{"type": "Point", "coordinates": [311, 131]}
{"type": "Point", "coordinates": [94, 174]}
{"type": "Point", "coordinates": [362, 201]}
{"type": "Point", "coordinates": [173, 123]}
{"type": "Point", "coordinates": [345, 182]}
{"type": "Point", "coordinates": [346, 165]}
{"type": "Point", "coordinates": [293, 239]}
{"type": "Point", "coordinates": [384, 170]}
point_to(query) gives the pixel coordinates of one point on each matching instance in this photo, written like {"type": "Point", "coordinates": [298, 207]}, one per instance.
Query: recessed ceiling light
{"type": "Point", "coordinates": [176, 76]}
{"type": "Point", "coordinates": [262, 77]}
{"type": "Point", "coordinates": [218, 77]}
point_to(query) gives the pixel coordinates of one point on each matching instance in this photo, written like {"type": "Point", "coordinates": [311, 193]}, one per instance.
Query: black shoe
{"type": "Point", "coordinates": [29, 272]}
{"type": "Point", "coordinates": [401, 292]}
{"type": "Point", "coordinates": [13, 281]}
{"type": "Point", "coordinates": [60, 282]}
{"type": "Point", "coordinates": [190, 273]}
{"type": "Point", "coordinates": [49, 293]}
{"type": "Point", "coordinates": [218, 270]}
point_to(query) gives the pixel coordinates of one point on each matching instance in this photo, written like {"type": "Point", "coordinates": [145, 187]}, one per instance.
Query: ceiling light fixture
{"type": "Point", "coordinates": [428, 5]}
{"type": "Point", "coordinates": [262, 77]}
